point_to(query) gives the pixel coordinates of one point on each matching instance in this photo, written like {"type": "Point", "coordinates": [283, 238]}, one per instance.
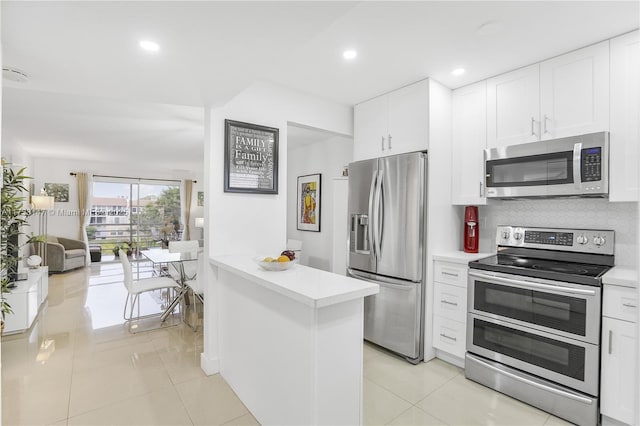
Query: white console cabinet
{"type": "Point", "coordinates": [25, 300]}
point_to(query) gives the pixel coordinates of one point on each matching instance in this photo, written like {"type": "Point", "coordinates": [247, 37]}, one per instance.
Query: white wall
{"type": "Point", "coordinates": [327, 157]}
{"type": "Point", "coordinates": [563, 213]}
{"type": "Point", "coordinates": [63, 221]}
{"type": "Point", "coordinates": [251, 223]}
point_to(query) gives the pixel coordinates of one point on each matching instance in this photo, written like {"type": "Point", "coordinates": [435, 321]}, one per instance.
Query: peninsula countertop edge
{"type": "Point", "coordinates": [312, 287]}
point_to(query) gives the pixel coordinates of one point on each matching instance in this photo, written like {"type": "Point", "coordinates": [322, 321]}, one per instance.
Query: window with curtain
{"type": "Point", "coordinates": [134, 213]}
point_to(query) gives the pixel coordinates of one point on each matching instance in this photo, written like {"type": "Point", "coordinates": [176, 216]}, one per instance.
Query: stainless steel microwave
{"type": "Point", "coordinates": [576, 166]}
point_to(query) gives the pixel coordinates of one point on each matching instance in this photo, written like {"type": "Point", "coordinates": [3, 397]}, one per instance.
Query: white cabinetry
{"type": "Point", "coordinates": [450, 311]}
{"type": "Point", "coordinates": [564, 96]}
{"type": "Point", "coordinates": [619, 354]}
{"type": "Point", "coordinates": [394, 123]}
{"type": "Point", "coordinates": [513, 107]}
{"type": "Point", "coordinates": [625, 110]}
{"type": "Point", "coordinates": [469, 141]}
{"type": "Point", "coordinates": [574, 92]}
{"type": "Point", "coordinates": [25, 300]}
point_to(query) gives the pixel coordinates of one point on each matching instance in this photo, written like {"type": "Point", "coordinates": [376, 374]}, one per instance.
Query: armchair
{"type": "Point", "coordinates": [64, 254]}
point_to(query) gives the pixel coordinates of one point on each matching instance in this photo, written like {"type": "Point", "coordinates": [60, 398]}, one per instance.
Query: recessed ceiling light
{"type": "Point", "coordinates": [349, 54]}
{"type": "Point", "coordinates": [14, 74]}
{"type": "Point", "coordinates": [458, 71]}
{"type": "Point", "coordinates": [149, 46]}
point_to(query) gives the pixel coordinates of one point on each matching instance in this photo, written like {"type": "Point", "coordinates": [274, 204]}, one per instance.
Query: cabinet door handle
{"type": "Point", "coordinates": [446, 302]}
{"type": "Point", "coordinates": [480, 188]}
{"type": "Point", "coordinates": [450, 274]}
{"type": "Point", "coordinates": [545, 124]}
{"type": "Point", "coordinates": [382, 143]}
{"type": "Point", "coordinates": [533, 131]}
{"type": "Point", "coordinates": [629, 305]}
{"type": "Point", "coordinates": [448, 337]}
{"type": "Point", "coordinates": [389, 144]}
{"type": "Point", "coordinates": [610, 341]}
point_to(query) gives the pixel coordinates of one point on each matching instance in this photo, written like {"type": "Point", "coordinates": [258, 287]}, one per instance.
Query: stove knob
{"type": "Point", "coordinates": [505, 235]}
{"type": "Point", "coordinates": [517, 235]}
{"type": "Point", "coordinates": [581, 239]}
{"type": "Point", "coordinates": [599, 241]}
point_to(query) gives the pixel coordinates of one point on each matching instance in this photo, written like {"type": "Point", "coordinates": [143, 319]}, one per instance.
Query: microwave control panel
{"type": "Point", "coordinates": [591, 164]}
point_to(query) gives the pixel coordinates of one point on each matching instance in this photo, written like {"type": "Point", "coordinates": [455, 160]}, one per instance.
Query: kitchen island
{"type": "Point", "coordinates": [290, 342]}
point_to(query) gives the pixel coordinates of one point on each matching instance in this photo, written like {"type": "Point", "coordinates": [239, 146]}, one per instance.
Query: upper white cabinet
{"type": "Point", "coordinates": [394, 123]}
{"type": "Point", "coordinates": [513, 107]}
{"type": "Point", "coordinates": [564, 96]}
{"type": "Point", "coordinates": [469, 141]}
{"type": "Point", "coordinates": [574, 92]}
{"type": "Point", "coordinates": [625, 110]}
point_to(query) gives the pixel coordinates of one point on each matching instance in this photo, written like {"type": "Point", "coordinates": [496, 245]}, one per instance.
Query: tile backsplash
{"type": "Point", "coordinates": [565, 213]}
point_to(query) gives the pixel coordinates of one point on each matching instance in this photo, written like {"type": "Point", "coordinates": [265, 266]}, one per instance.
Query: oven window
{"type": "Point", "coordinates": [545, 169]}
{"type": "Point", "coordinates": [553, 355]}
{"type": "Point", "coordinates": [554, 311]}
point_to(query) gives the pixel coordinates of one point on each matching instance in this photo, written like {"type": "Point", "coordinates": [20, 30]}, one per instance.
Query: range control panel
{"type": "Point", "coordinates": [576, 240]}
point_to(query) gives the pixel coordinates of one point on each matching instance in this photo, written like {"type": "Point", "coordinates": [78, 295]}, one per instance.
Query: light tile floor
{"type": "Point", "coordinates": [79, 365]}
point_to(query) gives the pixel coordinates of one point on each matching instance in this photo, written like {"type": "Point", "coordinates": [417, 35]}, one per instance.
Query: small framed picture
{"type": "Point", "coordinates": [250, 158]}
{"type": "Point", "coordinates": [200, 198]}
{"type": "Point", "coordinates": [309, 202]}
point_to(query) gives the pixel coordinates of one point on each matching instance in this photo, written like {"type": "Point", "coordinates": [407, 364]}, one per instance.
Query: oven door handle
{"type": "Point", "coordinates": [535, 384]}
{"type": "Point", "coordinates": [532, 285]}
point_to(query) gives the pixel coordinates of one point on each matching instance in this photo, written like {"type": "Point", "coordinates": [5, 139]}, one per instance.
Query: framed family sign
{"type": "Point", "coordinates": [250, 158]}
{"type": "Point", "coordinates": [308, 191]}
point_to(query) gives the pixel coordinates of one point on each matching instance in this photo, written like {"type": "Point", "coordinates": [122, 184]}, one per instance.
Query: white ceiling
{"type": "Point", "coordinates": [90, 85]}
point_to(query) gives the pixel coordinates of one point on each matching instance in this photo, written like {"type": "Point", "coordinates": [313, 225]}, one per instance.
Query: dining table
{"type": "Point", "coordinates": [163, 257]}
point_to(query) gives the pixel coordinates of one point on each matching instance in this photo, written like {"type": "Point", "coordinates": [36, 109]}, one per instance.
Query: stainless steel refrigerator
{"type": "Point", "coordinates": [387, 222]}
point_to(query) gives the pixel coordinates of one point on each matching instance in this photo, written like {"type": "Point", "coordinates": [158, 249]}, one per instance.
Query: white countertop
{"type": "Point", "coordinates": [460, 256]}
{"type": "Point", "coordinates": [310, 286]}
{"type": "Point", "coordinates": [622, 276]}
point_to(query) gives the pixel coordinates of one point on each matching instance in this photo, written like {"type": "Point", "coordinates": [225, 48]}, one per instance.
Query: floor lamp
{"type": "Point", "coordinates": [41, 204]}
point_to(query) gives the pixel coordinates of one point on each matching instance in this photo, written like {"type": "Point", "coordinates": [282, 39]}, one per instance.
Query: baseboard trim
{"type": "Point", "coordinates": [210, 366]}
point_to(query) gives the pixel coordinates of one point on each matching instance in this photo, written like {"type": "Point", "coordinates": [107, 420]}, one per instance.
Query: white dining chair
{"type": "Point", "coordinates": [186, 246]}
{"type": "Point", "coordinates": [137, 287]}
{"type": "Point", "coordinates": [196, 284]}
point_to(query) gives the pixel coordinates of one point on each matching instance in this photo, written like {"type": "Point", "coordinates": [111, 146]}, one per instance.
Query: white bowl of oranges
{"type": "Point", "coordinates": [285, 261]}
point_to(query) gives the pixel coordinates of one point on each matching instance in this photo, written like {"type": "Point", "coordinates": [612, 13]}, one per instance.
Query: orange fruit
{"type": "Point", "coordinates": [284, 259]}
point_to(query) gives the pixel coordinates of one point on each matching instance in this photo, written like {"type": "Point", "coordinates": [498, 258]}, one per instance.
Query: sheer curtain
{"type": "Point", "coordinates": [186, 189]}
{"type": "Point", "coordinates": [85, 200]}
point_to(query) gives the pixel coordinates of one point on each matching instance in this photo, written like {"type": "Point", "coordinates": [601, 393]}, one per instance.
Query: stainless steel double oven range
{"type": "Point", "coordinates": [534, 314]}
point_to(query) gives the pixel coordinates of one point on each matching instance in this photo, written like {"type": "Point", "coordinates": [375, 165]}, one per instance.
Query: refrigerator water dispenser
{"type": "Point", "coordinates": [359, 234]}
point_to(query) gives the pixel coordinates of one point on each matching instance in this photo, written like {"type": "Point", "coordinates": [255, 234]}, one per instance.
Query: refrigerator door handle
{"type": "Point", "coordinates": [377, 222]}
{"type": "Point", "coordinates": [380, 214]}
{"type": "Point", "coordinates": [370, 232]}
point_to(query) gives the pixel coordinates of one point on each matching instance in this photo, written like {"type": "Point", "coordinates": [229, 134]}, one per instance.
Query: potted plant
{"type": "Point", "coordinates": [126, 247]}
{"type": "Point", "coordinates": [14, 217]}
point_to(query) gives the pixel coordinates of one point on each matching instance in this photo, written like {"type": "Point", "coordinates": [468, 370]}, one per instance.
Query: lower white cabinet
{"type": "Point", "coordinates": [450, 311]}
{"type": "Point", "coordinates": [619, 361]}
{"type": "Point", "coordinates": [25, 300]}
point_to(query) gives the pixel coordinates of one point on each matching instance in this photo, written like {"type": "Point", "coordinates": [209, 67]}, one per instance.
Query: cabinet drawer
{"type": "Point", "coordinates": [450, 273]}
{"type": "Point", "coordinates": [449, 336]}
{"type": "Point", "coordinates": [450, 302]}
{"type": "Point", "coordinates": [620, 302]}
